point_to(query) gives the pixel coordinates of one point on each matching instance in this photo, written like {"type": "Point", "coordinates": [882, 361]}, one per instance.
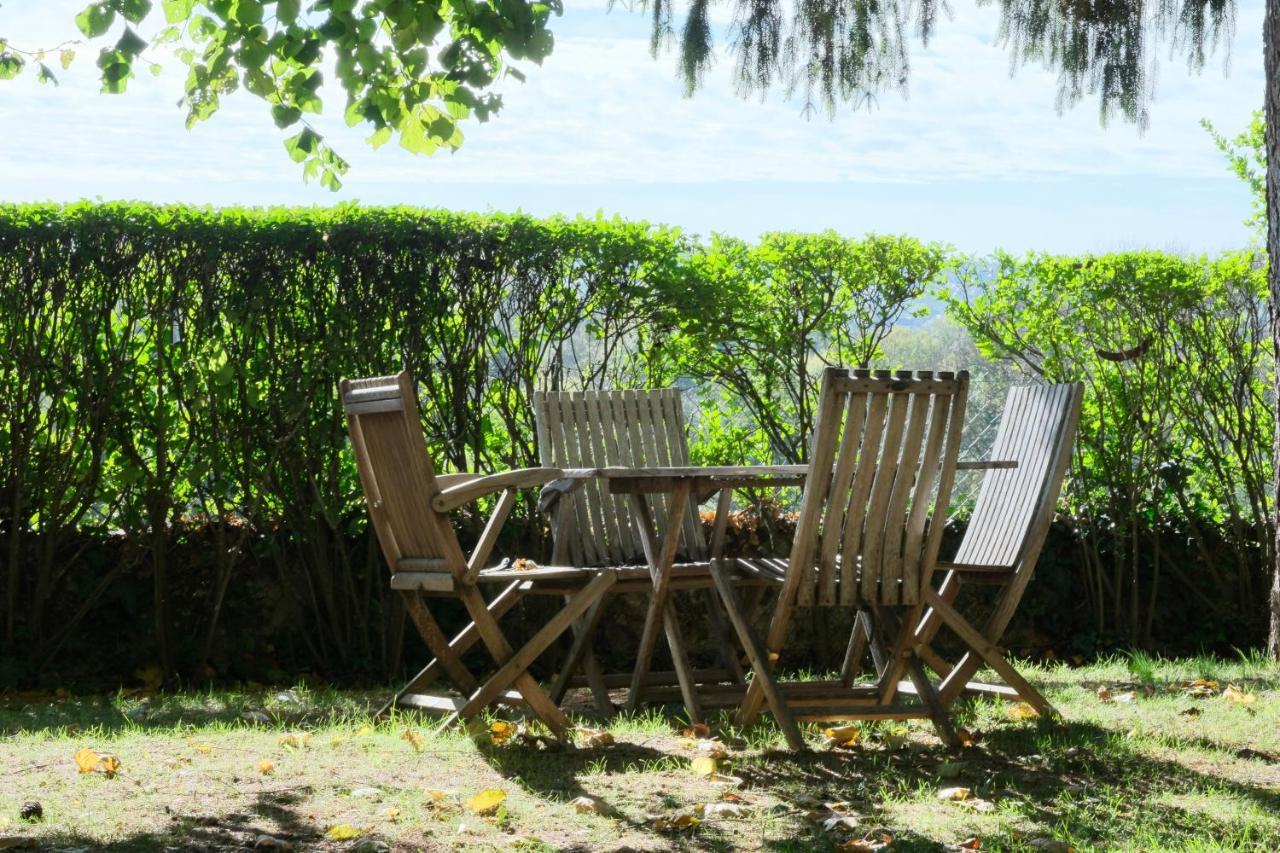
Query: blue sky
{"type": "Point", "coordinates": [974, 156]}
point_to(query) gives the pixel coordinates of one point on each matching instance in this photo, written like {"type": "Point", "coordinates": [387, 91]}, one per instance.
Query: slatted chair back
{"type": "Point", "coordinates": [1015, 506]}
{"type": "Point", "coordinates": [399, 480]}
{"type": "Point", "coordinates": [883, 458]}
{"type": "Point", "coordinates": [616, 428]}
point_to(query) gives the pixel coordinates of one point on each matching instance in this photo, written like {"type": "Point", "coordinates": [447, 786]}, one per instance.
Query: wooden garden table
{"type": "Point", "coordinates": [660, 551]}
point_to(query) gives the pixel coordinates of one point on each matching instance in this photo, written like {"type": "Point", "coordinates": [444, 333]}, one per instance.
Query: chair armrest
{"type": "Point", "coordinates": [456, 495]}
{"type": "Point", "coordinates": [985, 464]}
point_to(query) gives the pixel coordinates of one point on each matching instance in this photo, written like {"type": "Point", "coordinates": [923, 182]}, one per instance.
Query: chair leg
{"type": "Point", "coordinates": [929, 696]}
{"type": "Point", "coordinates": [459, 645]}
{"type": "Point", "coordinates": [437, 642]}
{"type": "Point", "coordinates": [514, 664]}
{"type": "Point", "coordinates": [759, 660]}
{"type": "Point", "coordinates": [854, 653]}
{"type": "Point", "coordinates": [990, 654]}
{"type": "Point", "coordinates": [584, 631]}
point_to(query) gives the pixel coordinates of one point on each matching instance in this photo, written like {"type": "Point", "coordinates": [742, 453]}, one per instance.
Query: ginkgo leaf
{"type": "Point", "coordinates": [91, 761]}
{"type": "Point", "coordinates": [594, 737]}
{"type": "Point", "coordinates": [955, 794]}
{"type": "Point", "coordinates": [586, 805]}
{"type": "Point", "coordinates": [843, 736]}
{"type": "Point", "coordinates": [1023, 711]}
{"type": "Point", "coordinates": [704, 765]}
{"type": "Point", "coordinates": [1236, 696]}
{"type": "Point", "coordinates": [265, 766]}
{"type": "Point", "coordinates": [342, 832]}
{"type": "Point", "coordinates": [487, 801]}
{"type": "Point", "coordinates": [293, 741]}
{"type": "Point", "coordinates": [203, 747]}
{"type": "Point", "coordinates": [500, 732]}
{"type": "Point", "coordinates": [413, 738]}
{"type": "Point", "coordinates": [364, 731]}
{"type": "Point", "coordinates": [724, 779]}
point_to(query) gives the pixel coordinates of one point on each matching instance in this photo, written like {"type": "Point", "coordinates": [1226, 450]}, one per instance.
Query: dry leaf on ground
{"type": "Point", "coordinates": [91, 761]}
{"type": "Point", "coordinates": [342, 832]}
{"type": "Point", "coordinates": [265, 766]}
{"type": "Point", "coordinates": [955, 794]}
{"type": "Point", "coordinates": [487, 801]}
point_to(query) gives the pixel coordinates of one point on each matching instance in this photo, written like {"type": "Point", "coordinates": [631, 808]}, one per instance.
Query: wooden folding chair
{"type": "Point", "coordinates": [882, 465]}
{"type": "Point", "coordinates": [592, 527]}
{"type": "Point", "coordinates": [1011, 518]}
{"type": "Point", "coordinates": [408, 506]}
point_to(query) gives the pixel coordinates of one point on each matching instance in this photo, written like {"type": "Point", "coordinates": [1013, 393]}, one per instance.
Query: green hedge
{"type": "Point", "coordinates": [175, 481]}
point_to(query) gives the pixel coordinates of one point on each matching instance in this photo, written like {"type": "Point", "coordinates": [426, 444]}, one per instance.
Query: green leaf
{"type": "Point", "coordinates": [95, 19]}
{"type": "Point", "coordinates": [285, 116]}
{"type": "Point", "coordinates": [177, 11]}
{"type": "Point", "coordinates": [286, 11]}
{"type": "Point", "coordinates": [134, 10]}
{"type": "Point", "coordinates": [10, 65]}
{"type": "Point", "coordinates": [131, 44]}
{"type": "Point", "coordinates": [301, 145]}
{"type": "Point", "coordinates": [380, 137]}
{"type": "Point", "coordinates": [46, 76]}
{"type": "Point", "coordinates": [66, 57]}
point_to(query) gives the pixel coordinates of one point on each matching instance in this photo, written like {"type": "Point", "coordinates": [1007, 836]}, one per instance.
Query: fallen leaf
{"type": "Point", "coordinates": [392, 814]}
{"type": "Point", "coordinates": [89, 761]}
{"type": "Point", "coordinates": [524, 565]}
{"type": "Point", "coordinates": [270, 842]}
{"type": "Point", "coordinates": [1023, 711]}
{"type": "Point", "coordinates": [971, 843]}
{"type": "Point", "coordinates": [697, 731]}
{"type": "Point", "coordinates": [1193, 711]}
{"type": "Point", "coordinates": [500, 732]}
{"type": "Point", "coordinates": [1127, 696]}
{"type": "Point", "coordinates": [596, 737]}
{"type": "Point", "coordinates": [203, 747]}
{"type": "Point", "coordinates": [342, 832]}
{"type": "Point", "coordinates": [1236, 696]}
{"type": "Point", "coordinates": [588, 805]}
{"type": "Point", "coordinates": [1201, 688]}
{"type": "Point", "coordinates": [413, 738]}
{"type": "Point", "coordinates": [724, 779]}
{"type": "Point", "coordinates": [487, 801]}
{"type": "Point", "coordinates": [704, 765]}
{"type": "Point", "coordinates": [1104, 694]}
{"type": "Point", "coordinates": [293, 741]}
{"type": "Point", "coordinates": [955, 794]}
{"type": "Point", "coordinates": [842, 737]}
{"type": "Point", "coordinates": [265, 766]}
{"type": "Point", "coordinates": [364, 731]}
{"type": "Point", "coordinates": [724, 809]}
{"type": "Point", "coordinates": [712, 748]}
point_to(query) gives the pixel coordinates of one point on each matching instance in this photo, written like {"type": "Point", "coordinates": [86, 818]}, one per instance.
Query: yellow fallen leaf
{"type": "Point", "coordinates": [413, 738]}
{"type": "Point", "coordinates": [364, 731]}
{"type": "Point", "coordinates": [589, 805]}
{"type": "Point", "coordinates": [594, 737]}
{"type": "Point", "coordinates": [1023, 711]}
{"type": "Point", "coordinates": [435, 795]}
{"type": "Point", "coordinates": [704, 765]}
{"type": "Point", "coordinates": [265, 766]}
{"type": "Point", "coordinates": [89, 761]}
{"type": "Point", "coordinates": [955, 794]}
{"type": "Point", "coordinates": [486, 801]}
{"type": "Point", "coordinates": [1236, 696]}
{"type": "Point", "coordinates": [293, 741]}
{"type": "Point", "coordinates": [713, 748]}
{"type": "Point", "coordinates": [203, 747]}
{"type": "Point", "coordinates": [392, 814]}
{"type": "Point", "coordinates": [500, 732]}
{"type": "Point", "coordinates": [724, 779]}
{"type": "Point", "coordinates": [342, 832]}
{"type": "Point", "coordinates": [843, 736]}
{"type": "Point", "coordinates": [337, 740]}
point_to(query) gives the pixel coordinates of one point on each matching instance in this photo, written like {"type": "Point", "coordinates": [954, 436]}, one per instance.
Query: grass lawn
{"type": "Point", "coordinates": [1143, 764]}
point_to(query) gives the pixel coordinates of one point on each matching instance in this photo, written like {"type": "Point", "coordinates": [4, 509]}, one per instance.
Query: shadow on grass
{"type": "Point", "coordinates": [1072, 781]}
